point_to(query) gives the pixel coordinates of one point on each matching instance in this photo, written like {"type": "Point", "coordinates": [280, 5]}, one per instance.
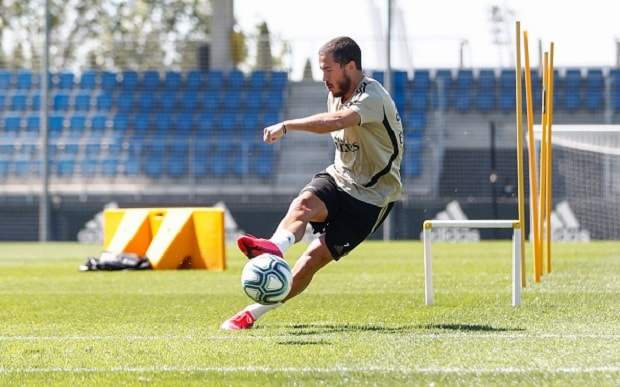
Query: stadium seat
{"type": "Point", "coordinates": [129, 80]}
{"type": "Point", "coordinates": [131, 166]}
{"type": "Point", "coordinates": [226, 123]}
{"type": "Point", "coordinates": [92, 150]}
{"type": "Point", "coordinates": [419, 100]}
{"type": "Point", "coordinates": [485, 100]}
{"type": "Point", "coordinates": [168, 101]}
{"type": "Point", "coordinates": [146, 101]}
{"type": "Point", "coordinates": [279, 79]}
{"type": "Point", "coordinates": [173, 81]}
{"type": "Point", "coordinates": [399, 80]}
{"type": "Point", "coordinates": [2, 102]}
{"type": "Point", "coordinates": [263, 160]}
{"type": "Point", "coordinates": [88, 167]}
{"type": "Point", "coordinates": [153, 166]}
{"type": "Point", "coordinates": [77, 125]}
{"type": "Point", "coordinates": [177, 160]}
{"type": "Point", "coordinates": [258, 80]}
{"type": "Point", "coordinates": [56, 125]}
{"type": "Point", "coordinates": [88, 80]}
{"type": "Point", "coordinates": [250, 125]}
{"type": "Point", "coordinates": [35, 102]}
{"type": "Point", "coordinates": [220, 163]}
{"type": "Point", "coordinates": [33, 124]}
{"type": "Point", "coordinates": [65, 166]}
{"type": "Point", "coordinates": [421, 80]}
{"type": "Point", "coordinates": [108, 81]}
{"type": "Point", "coordinates": [23, 80]}
{"type": "Point", "coordinates": [205, 124]}
{"type": "Point", "coordinates": [104, 102]}
{"type": "Point", "coordinates": [201, 164]}
{"type": "Point", "coordinates": [82, 102]}
{"type": "Point", "coordinates": [150, 80]}
{"type": "Point", "coordinates": [188, 101]}
{"type": "Point", "coordinates": [486, 79]}
{"type": "Point", "coordinates": [12, 125]}
{"type": "Point", "coordinates": [270, 118]}
{"type": "Point", "coordinates": [415, 121]}
{"type": "Point", "coordinates": [125, 102]}
{"type": "Point", "coordinates": [109, 167]}
{"type": "Point", "coordinates": [211, 101]}
{"type": "Point", "coordinates": [378, 76]}
{"type": "Point", "coordinates": [65, 80]}
{"type": "Point", "coordinates": [571, 90]}
{"type": "Point", "coordinates": [163, 124]}
{"type": "Point", "coordinates": [6, 79]}
{"type": "Point", "coordinates": [120, 123]}
{"type": "Point", "coordinates": [595, 89]}
{"type": "Point", "coordinates": [18, 102]}
{"type": "Point", "coordinates": [273, 100]}
{"type": "Point", "coordinates": [195, 80]}
{"type": "Point", "coordinates": [141, 124]}
{"type": "Point", "coordinates": [231, 100]}
{"type": "Point", "coordinates": [183, 124]}
{"type": "Point", "coordinates": [254, 100]}
{"type": "Point", "coordinates": [71, 149]}
{"type": "Point", "coordinates": [60, 102]}
{"type": "Point", "coordinates": [235, 80]}
{"type": "Point", "coordinates": [98, 124]}
{"type": "Point", "coordinates": [215, 80]}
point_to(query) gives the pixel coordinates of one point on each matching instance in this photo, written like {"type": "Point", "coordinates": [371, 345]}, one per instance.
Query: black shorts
{"type": "Point", "coordinates": [349, 221]}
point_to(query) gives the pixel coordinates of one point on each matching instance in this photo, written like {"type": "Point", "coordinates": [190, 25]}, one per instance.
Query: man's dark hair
{"type": "Point", "coordinates": [344, 50]}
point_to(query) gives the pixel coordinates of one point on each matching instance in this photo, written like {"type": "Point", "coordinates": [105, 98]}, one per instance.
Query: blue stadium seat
{"type": "Point", "coordinates": [24, 80]}
{"type": "Point", "coordinates": [77, 125]}
{"type": "Point", "coordinates": [125, 102]}
{"type": "Point", "coordinates": [177, 160]}
{"type": "Point", "coordinates": [571, 90]}
{"type": "Point", "coordinates": [120, 123]}
{"type": "Point", "coordinates": [163, 124]}
{"type": "Point", "coordinates": [222, 159]}
{"type": "Point", "coordinates": [226, 123]}
{"type": "Point", "coordinates": [231, 99]}
{"type": "Point", "coordinates": [18, 102]}
{"type": "Point", "coordinates": [35, 102]}
{"type": "Point", "coordinates": [400, 80]}
{"type": "Point", "coordinates": [131, 166]}
{"type": "Point", "coordinates": [236, 80]}
{"type": "Point", "coordinates": [258, 80]}
{"type": "Point", "coordinates": [141, 124]}
{"type": "Point", "coordinates": [183, 124]}
{"type": "Point", "coordinates": [215, 80]}
{"type": "Point", "coordinates": [109, 167]}
{"type": "Point", "coordinates": [6, 79]}
{"type": "Point", "coordinates": [71, 149]}
{"type": "Point", "coordinates": [419, 100]}
{"type": "Point", "coordinates": [88, 80]}
{"type": "Point", "coordinates": [12, 125]}
{"type": "Point", "coordinates": [421, 80]}
{"type": "Point", "coordinates": [146, 102]}
{"type": "Point", "coordinates": [108, 81]}
{"type": "Point", "coordinates": [250, 125]}
{"type": "Point", "coordinates": [507, 91]}
{"type": "Point", "coordinates": [82, 102]}
{"type": "Point", "coordinates": [254, 100]}
{"type": "Point", "coordinates": [24, 166]}
{"type": "Point", "coordinates": [65, 166]}
{"type": "Point", "coordinates": [129, 80]}
{"type": "Point", "coordinates": [211, 101]}
{"type": "Point", "coordinates": [279, 79]}
{"type": "Point", "coordinates": [262, 160]}
{"type": "Point", "coordinates": [92, 150]}
{"type": "Point", "coordinates": [65, 80]}
{"type": "Point", "coordinates": [60, 102]}
{"type": "Point", "coordinates": [595, 89]}
{"type": "Point", "coordinates": [485, 100]}
{"type": "Point", "coordinates": [2, 102]}
{"type": "Point", "coordinates": [33, 124]}
{"type": "Point", "coordinates": [6, 150]}
{"type": "Point", "coordinates": [104, 102]}
{"type": "Point", "coordinates": [188, 101]}
{"type": "Point", "coordinates": [88, 167]}
{"type": "Point", "coordinates": [195, 80]}
{"type": "Point", "coordinates": [273, 100]}
{"type": "Point", "coordinates": [150, 80]}
{"type": "Point", "coordinates": [168, 101]}
{"type": "Point", "coordinates": [415, 121]}
{"type": "Point", "coordinates": [98, 124]}
{"type": "Point", "coordinates": [445, 76]}
{"type": "Point", "coordinates": [153, 166]}
{"type": "Point", "coordinates": [205, 124]}
{"type": "Point", "coordinates": [378, 76]}
{"type": "Point", "coordinates": [201, 163]}
{"type": "Point", "coordinates": [271, 118]}
{"type": "Point", "coordinates": [486, 79]}
{"type": "Point", "coordinates": [56, 125]}
{"type": "Point", "coordinates": [173, 80]}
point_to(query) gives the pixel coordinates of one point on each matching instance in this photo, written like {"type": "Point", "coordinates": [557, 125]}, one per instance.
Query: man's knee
{"type": "Point", "coordinates": [307, 207]}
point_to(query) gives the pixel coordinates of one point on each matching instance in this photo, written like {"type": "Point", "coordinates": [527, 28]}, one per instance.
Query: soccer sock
{"type": "Point", "coordinates": [258, 310]}
{"type": "Point", "coordinates": [283, 239]}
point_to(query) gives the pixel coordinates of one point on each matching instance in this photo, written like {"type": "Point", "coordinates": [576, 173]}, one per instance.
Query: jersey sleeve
{"type": "Point", "coordinates": [369, 107]}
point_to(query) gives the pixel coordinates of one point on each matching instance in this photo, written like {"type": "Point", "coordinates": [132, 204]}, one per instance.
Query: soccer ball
{"type": "Point", "coordinates": [266, 279]}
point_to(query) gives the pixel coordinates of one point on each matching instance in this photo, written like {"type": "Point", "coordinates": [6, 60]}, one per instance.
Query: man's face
{"type": "Point", "coordinates": [335, 76]}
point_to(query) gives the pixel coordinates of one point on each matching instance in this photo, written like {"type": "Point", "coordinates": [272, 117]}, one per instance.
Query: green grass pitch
{"type": "Point", "coordinates": [361, 322]}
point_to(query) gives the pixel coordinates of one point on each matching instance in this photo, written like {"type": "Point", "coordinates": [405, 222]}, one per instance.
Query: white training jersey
{"type": "Point", "coordinates": [368, 155]}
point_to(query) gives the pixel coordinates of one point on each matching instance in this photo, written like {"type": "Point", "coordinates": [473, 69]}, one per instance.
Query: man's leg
{"type": "Point", "coordinates": [305, 208]}
{"type": "Point", "coordinates": [312, 260]}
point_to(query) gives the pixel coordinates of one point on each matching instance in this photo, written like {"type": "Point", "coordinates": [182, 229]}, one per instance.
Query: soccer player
{"type": "Point", "coordinates": [350, 199]}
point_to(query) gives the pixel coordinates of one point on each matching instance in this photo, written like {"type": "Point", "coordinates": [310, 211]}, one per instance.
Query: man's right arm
{"type": "Point", "coordinates": [318, 123]}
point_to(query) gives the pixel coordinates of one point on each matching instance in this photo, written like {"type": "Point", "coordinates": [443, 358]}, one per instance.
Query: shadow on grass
{"type": "Point", "coordinates": [314, 329]}
{"type": "Point", "coordinates": [304, 342]}
{"type": "Point", "coordinates": [470, 328]}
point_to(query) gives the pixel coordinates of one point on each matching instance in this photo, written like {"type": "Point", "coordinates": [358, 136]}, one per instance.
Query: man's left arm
{"type": "Point", "coordinates": [318, 123]}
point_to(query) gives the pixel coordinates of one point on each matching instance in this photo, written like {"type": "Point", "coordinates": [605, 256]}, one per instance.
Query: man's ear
{"type": "Point", "coordinates": [351, 66]}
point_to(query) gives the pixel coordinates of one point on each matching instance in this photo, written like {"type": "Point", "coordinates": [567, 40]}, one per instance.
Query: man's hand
{"type": "Point", "coordinates": [273, 133]}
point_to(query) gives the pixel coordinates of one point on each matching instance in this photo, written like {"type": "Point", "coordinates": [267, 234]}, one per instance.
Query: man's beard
{"type": "Point", "coordinates": [343, 86]}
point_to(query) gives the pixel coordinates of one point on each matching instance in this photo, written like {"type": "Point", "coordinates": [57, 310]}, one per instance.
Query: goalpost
{"type": "Point", "coordinates": [586, 182]}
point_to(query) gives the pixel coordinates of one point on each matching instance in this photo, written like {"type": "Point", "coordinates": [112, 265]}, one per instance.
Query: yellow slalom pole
{"type": "Point", "coordinates": [549, 157]}
{"type": "Point", "coordinates": [543, 163]}
{"type": "Point", "coordinates": [520, 178]}
{"type": "Point", "coordinates": [532, 165]}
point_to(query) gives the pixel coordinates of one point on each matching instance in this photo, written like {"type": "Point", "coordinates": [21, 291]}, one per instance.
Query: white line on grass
{"type": "Point", "coordinates": [326, 370]}
{"type": "Point", "coordinates": [431, 336]}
